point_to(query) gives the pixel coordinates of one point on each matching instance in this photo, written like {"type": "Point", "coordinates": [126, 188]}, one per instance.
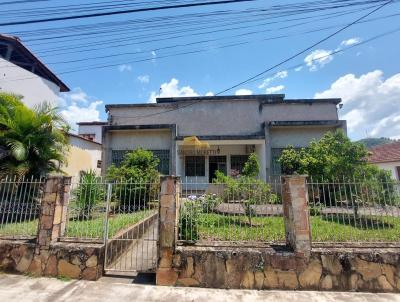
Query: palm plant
{"type": "Point", "coordinates": [35, 139]}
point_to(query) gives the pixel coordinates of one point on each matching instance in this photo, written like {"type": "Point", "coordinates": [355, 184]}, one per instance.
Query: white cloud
{"type": "Point", "coordinates": [76, 106]}
{"type": "Point", "coordinates": [274, 89]}
{"type": "Point", "coordinates": [125, 67]}
{"type": "Point", "coordinates": [318, 59]}
{"type": "Point", "coordinates": [371, 103]}
{"type": "Point", "coordinates": [172, 89]}
{"type": "Point", "coordinates": [210, 93]}
{"type": "Point", "coordinates": [279, 75]}
{"type": "Point", "coordinates": [350, 41]}
{"type": "Point", "coordinates": [299, 68]}
{"type": "Point", "coordinates": [144, 78]}
{"type": "Point", "coordinates": [243, 92]}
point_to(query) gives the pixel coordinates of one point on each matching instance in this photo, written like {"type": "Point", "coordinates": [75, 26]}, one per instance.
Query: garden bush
{"type": "Point", "coordinates": [189, 216]}
{"type": "Point", "coordinates": [136, 180]}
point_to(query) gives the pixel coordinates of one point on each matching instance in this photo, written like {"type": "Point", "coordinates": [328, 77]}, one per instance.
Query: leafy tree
{"type": "Point", "coordinates": [35, 140]}
{"type": "Point", "coordinates": [136, 179]}
{"type": "Point", "coordinates": [335, 158]}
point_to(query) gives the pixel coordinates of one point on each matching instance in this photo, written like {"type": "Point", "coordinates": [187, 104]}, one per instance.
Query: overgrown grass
{"type": "Point", "coordinates": [213, 227]}
{"type": "Point", "coordinates": [93, 228]}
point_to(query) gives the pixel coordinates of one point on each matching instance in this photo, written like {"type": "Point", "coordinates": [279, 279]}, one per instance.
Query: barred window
{"type": "Point", "coordinates": [117, 156]}
{"type": "Point", "coordinates": [195, 166]}
{"type": "Point", "coordinates": [238, 162]}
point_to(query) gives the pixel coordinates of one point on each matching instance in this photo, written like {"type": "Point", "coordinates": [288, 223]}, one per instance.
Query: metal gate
{"type": "Point", "coordinates": [133, 247]}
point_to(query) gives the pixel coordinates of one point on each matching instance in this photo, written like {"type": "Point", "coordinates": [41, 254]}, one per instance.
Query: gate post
{"type": "Point", "coordinates": [296, 214]}
{"type": "Point", "coordinates": [168, 229]}
{"type": "Point", "coordinates": [53, 211]}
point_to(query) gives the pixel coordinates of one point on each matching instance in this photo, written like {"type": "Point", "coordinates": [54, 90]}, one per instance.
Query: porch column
{"type": "Point", "coordinates": [268, 151]}
{"type": "Point", "coordinates": [260, 150]}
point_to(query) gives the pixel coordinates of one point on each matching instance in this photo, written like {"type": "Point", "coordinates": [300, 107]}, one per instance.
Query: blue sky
{"type": "Point", "coordinates": [367, 77]}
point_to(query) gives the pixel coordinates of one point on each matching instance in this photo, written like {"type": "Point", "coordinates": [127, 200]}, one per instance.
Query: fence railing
{"type": "Point", "coordinates": [233, 211]}
{"type": "Point", "coordinates": [357, 210]}
{"type": "Point", "coordinates": [100, 209]}
{"type": "Point", "coordinates": [20, 201]}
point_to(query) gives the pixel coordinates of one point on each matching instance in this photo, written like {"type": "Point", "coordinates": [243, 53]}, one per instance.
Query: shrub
{"type": "Point", "coordinates": [252, 166]}
{"type": "Point", "coordinates": [189, 216]}
{"type": "Point", "coordinates": [89, 193]}
{"type": "Point", "coordinates": [136, 180]}
{"type": "Point", "coordinates": [209, 202]}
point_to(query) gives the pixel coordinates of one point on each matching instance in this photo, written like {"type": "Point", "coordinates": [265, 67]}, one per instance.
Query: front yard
{"type": "Point", "coordinates": [88, 229]}
{"type": "Point", "coordinates": [337, 228]}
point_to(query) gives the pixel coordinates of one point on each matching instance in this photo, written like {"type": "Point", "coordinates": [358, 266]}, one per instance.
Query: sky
{"type": "Point", "coordinates": [142, 64]}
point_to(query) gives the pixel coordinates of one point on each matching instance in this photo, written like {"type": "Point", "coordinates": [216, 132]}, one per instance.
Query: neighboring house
{"type": "Point", "coordinates": [83, 155]}
{"type": "Point", "coordinates": [387, 157]}
{"type": "Point", "coordinates": [22, 73]}
{"type": "Point", "coordinates": [228, 129]}
{"type": "Point", "coordinates": [91, 130]}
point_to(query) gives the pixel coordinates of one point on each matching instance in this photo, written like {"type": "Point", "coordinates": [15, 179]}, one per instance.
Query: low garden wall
{"type": "Point", "coordinates": [266, 268]}
{"type": "Point", "coordinates": [70, 260]}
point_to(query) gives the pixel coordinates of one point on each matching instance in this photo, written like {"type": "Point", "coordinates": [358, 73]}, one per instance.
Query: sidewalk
{"type": "Point", "coordinates": [21, 289]}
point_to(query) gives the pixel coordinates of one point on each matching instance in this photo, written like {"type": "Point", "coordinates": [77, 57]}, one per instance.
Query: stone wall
{"type": "Point", "coordinates": [266, 268]}
{"type": "Point", "coordinates": [71, 260]}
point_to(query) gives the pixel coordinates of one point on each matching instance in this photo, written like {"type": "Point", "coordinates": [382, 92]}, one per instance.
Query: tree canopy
{"type": "Point", "coordinates": [334, 156]}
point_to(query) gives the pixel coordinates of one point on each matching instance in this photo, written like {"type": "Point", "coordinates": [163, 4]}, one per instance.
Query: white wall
{"type": "Point", "coordinates": [34, 89]}
{"type": "Point", "coordinates": [297, 137]}
{"type": "Point", "coordinates": [92, 129]}
{"type": "Point", "coordinates": [390, 167]}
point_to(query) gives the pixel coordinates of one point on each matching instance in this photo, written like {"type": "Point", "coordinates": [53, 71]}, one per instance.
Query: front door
{"type": "Point", "coordinates": [216, 163]}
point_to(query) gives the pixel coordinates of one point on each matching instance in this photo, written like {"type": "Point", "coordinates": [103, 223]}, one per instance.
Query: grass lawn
{"type": "Point", "coordinates": [87, 229]}
{"type": "Point", "coordinates": [236, 228]}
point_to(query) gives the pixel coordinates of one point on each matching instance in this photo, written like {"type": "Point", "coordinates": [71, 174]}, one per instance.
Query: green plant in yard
{"type": "Point", "coordinates": [247, 189]}
{"type": "Point", "coordinates": [252, 166]}
{"type": "Point", "coordinates": [209, 202]}
{"type": "Point", "coordinates": [136, 180]}
{"type": "Point", "coordinates": [335, 159]}
{"type": "Point", "coordinates": [89, 193]}
{"type": "Point", "coordinates": [34, 141]}
{"type": "Point", "coordinates": [189, 216]}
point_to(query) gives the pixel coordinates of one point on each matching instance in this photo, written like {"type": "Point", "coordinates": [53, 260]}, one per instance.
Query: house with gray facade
{"type": "Point", "coordinates": [232, 127]}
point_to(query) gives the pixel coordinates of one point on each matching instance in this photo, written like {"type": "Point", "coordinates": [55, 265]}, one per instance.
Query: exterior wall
{"type": "Point", "coordinates": [83, 156]}
{"type": "Point", "coordinates": [33, 88]}
{"type": "Point", "coordinates": [390, 167]}
{"type": "Point", "coordinates": [147, 139]}
{"type": "Point", "coordinates": [222, 117]}
{"type": "Point", "coordinates": [92, 129]}
{"type": "Point", "coordinates": [264, 268]}
{"type": "Point", "coordinates": [71, 260]}
{"type": "Point", "coordinates": [298, 137]}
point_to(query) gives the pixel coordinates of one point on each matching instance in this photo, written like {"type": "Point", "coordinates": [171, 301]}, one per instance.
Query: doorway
{"type": "Point", "coordinates": [216, 163]}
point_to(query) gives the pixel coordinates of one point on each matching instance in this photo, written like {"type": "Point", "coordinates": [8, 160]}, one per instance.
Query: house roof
{"type": "Point", "coordinates": [262, 98]}
{"type": "Point", "coordinates": [40, 68]}
{"type": "Point", "coordinates": [385, 153]}
{"type": "Point", "coordinates": [94, 123]}
{"type": "Point", "coordinates": [83, 138]}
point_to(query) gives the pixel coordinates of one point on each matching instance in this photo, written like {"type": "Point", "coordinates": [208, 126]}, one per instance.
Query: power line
{"type": "Point", "coordinates": [273, 67]}
{"type": "Point", "coordinates": [306, 49]}
{"type": "Point", "coordinates": [123, 12]}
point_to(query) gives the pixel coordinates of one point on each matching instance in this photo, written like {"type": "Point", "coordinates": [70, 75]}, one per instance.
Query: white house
{"type": "Point", "coordinates": [229, 128]}
{"type": "Point", "coordinates": [22, 73]}
{"type": "Point", "coordinates": [91, 130]}
{"type": "Point", "coordinates": [387, 157]}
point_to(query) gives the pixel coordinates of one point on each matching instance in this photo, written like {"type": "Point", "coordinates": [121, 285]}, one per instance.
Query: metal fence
{"type": "Point", "coordinates": [20, 206]}
{"type": "Point", "coordinates": [235, 211]}
{"type": "Point", "coordinates": [99, 209]}
{"type": "Point", "coordinates": [357, 210]}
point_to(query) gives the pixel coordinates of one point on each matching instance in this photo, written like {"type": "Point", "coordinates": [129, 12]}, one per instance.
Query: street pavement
{"type": "Point", "coordinates": [28, 289]}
